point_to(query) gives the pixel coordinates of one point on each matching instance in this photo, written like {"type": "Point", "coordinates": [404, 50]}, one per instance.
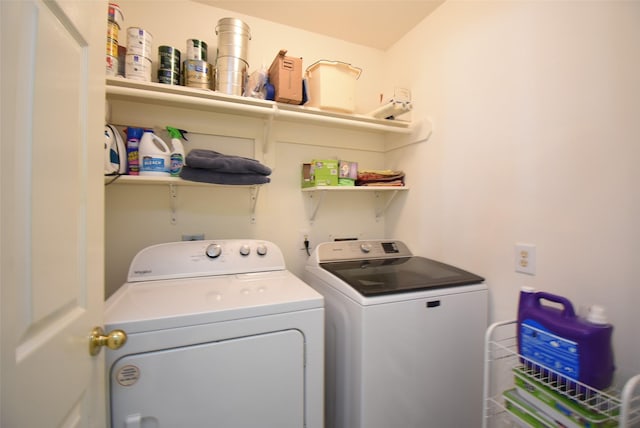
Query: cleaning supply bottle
{"type": "Point", "coordinates": [177, 152]}
{"type": "Point", "coordinates": [154, 155]}
{"type": "Point", "coordinates": [554, 341]}
{"type": "Point", "coordinates": [133, 144]}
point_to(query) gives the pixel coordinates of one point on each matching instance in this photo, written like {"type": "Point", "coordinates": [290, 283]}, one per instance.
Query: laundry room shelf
{"type": "Point", "coordinates": [118, 88]}
{"type": "Point", "coordinates": [316, 195]}
{"type": "Point", "coordinates": [615, 407]}
{"type": "Point", "coordinates": [174, 182]}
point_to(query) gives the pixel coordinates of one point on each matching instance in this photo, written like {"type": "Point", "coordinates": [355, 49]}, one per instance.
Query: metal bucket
{"type": "Point", "coordinates": [231, 75]}
{"type": "Point", "coordinates": [233, 38]}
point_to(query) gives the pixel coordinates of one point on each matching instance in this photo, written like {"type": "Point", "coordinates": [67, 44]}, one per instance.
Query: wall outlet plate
{"type": "Point", "coordinates": [525, 258]}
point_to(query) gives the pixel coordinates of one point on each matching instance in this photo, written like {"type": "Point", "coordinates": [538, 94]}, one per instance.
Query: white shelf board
{"type": "Point", "coordinates": [118, 88]}
{"type": "Point", "coordinates": [354, 188]}
{"type": "Point", "coordinates": [157, 180]}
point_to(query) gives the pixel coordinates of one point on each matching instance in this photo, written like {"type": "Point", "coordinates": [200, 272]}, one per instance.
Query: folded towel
{"type": "Point", "coordinates": [209, 176]}
{"type": "Point", "coordinates": [385, 177]}
{"type": "Point", "coordinates": [208, 159]}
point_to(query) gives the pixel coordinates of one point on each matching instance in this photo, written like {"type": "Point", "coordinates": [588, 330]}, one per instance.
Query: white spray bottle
{"type": "Point", "coordinates": [178, 157]}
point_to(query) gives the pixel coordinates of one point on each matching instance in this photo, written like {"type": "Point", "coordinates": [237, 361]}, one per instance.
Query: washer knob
{"type": "Point", "coordinates": [366, 248]}
{"type": "Point", "coordinates": [213, 251]}
{"type": "Point", "coordinates": [245, 250]}
{"type": "Point", "coordinates": [261, 250]}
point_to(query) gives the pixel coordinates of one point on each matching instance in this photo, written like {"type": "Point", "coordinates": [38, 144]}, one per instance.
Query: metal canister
{"type": "Point", "coordinates": [196, 49]}
{"type": "Point", "coordinates": [168, 58]}
{"type": "Point", "coordinates": [137, 67]}
{"type": "Point", "coordinates": [169, 77]}
{"type": "Point", "coordinates": [197, 74]}
{"type": "Point", "coordinates": [139, 42]}
{"type": "Point", "coordinates": [112, 30]}
{"type": "Point", "coordinates": [112, 65]}
{"type": "Point", "coordinates": [115, 14]}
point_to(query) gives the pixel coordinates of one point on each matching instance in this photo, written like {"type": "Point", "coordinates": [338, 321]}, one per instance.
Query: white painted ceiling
{"type": "Point", "coordinates": [373, 23]}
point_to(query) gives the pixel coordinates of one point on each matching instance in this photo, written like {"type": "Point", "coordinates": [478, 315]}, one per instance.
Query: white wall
{"type": "Point", "coordinates": [138, 216]}
{"type": "Point", "coordinates": [535, 108]}
{"type": "Point", "coordinates": [533, 105]}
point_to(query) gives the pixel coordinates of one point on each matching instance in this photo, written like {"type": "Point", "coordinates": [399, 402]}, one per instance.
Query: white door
{"type": "Point", "coordinates": [51, 211]}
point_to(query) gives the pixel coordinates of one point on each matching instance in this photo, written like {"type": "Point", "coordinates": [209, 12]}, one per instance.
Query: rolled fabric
{"type": "Point", "coordinates": [202, 175]}
{"type": "Point", "coordinates": [208, 159]}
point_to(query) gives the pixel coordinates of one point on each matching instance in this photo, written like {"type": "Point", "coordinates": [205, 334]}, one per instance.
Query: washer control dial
{"type": "Point", "coordinates": [365, 248]}
{"type": "Point", "coordinates": [245, 250]}
{"type": "Point", "coordinates": [261, 250]}
{"type": "Point", "coordinates": [213, 251]}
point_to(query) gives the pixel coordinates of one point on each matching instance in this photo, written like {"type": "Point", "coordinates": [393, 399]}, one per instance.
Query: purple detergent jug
{"type": "Point", "coordinates": [553, 337]}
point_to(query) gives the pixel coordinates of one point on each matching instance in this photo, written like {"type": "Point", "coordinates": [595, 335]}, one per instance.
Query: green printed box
{"type": "Point", "coordinates": [320, 172]}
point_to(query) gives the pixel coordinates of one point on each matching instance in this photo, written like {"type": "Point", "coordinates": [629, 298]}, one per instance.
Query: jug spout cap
{"type": "Point", "coordinates": [596, 315]}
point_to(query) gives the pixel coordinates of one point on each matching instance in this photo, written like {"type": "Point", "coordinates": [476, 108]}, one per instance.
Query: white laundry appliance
{"type": "Point", "coordinates": [404, 337]}
{"type": "Point", "coordinates": [220, 334]}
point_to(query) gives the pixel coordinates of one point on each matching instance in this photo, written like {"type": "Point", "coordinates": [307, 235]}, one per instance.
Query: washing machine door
{"type": "Point", "coordinates": [254, 381]}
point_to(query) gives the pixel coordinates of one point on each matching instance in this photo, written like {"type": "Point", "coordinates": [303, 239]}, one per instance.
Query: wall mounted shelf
{"type": "Point", "coordinates": [174, 182]}
{"type": "Point", "coordinates": [317, 193]}
{"type": "Point", "coordinates": [118, 88]}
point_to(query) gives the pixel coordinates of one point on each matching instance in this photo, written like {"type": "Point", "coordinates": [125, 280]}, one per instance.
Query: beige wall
{"type": "Point", "coordinates": [535, 108]}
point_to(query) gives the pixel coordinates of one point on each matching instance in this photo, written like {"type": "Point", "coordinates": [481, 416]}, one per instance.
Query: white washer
{"type": "Point", "coordinates": [219, 334]}
{"type": "Point", "coordinates": [404, 337]}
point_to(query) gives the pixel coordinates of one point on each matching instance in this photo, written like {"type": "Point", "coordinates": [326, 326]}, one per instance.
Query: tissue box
{"type": "Point", "coordinates": [285, 74]}
{"type": "Point", "coordinates": [320, 172]}
{"type": "Point", "coordinates": [347, 173]}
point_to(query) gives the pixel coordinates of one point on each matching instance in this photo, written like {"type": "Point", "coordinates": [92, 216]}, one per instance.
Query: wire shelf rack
{"type": "Point", "coordinates": [515, 388]}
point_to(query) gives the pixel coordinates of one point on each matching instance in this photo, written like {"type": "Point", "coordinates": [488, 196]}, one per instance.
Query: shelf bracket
{"type": "Point", "coordinates": [253, 199]}
{"type": "Point", "coordinates": [380, 212]}
{"type": "Point", "coordinates": [318, 201]}
{"type": "Point", "coordinates": [268, 125]}
{"type": "Point", "coordinates": [173, 195]}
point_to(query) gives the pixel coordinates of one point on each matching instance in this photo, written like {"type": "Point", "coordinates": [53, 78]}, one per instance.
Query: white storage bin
{"type": "Point", "coordinates": [332, 85]}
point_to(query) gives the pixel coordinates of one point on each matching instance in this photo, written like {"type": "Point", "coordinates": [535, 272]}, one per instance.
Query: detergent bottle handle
{"type": "Point", "coordinates": [160, 142]}
{"type": "Point", "coordinates": [567, 307]}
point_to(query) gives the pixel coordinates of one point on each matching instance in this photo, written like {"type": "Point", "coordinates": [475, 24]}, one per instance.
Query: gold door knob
{"type": "Point", "coordinates": [114, 340]}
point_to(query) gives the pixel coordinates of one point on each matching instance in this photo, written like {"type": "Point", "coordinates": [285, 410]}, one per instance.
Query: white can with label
{"type": "Point", "coordinates": [112, 65]}
{"type": "Point", "coordinates": [139, 42]}
{"type": "Point", "coordinates": [137, 67]}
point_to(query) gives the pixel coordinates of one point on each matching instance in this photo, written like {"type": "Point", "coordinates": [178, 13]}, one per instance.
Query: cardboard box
{"type": "Point", "coordinates": [320, 172]}
{"type": "Point", "coordinates": [347, 174]}
{"type": "Point", "coordinates": [307, 178]}
{"type": "Point", "coordinates": [285, 74]}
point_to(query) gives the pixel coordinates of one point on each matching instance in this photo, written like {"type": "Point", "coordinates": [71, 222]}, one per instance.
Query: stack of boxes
{"type": "Point", "coordinates": [329, 172]}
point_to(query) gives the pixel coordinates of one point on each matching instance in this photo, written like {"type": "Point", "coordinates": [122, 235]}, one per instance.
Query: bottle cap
{"type": "Point", "coordinates": [527, 289]}
{"type": "Point", "coordinates": [596, 315]}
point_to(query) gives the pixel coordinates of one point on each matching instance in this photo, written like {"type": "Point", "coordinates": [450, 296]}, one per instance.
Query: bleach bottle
{"type": "Point", "coordinates": [553, 340]}
{"type": "Point", "coordinates": [154, 155]}
{"type": "Point", "coordinates": [177, 160]}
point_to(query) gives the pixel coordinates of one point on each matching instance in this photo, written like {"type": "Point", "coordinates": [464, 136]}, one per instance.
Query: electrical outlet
{"type": "Point", "coordinates": [525, 258]}
{"type": "Point", "coordinates": [303, 235]}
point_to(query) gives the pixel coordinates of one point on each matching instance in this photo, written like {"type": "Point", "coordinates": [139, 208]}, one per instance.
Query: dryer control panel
{"type": "Point", "coordinates": [190, 259]}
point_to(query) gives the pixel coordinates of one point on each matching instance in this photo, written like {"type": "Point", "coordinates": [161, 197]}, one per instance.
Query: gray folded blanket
{"type": "Point", "coordinates": [208, 159]}
{"type": "Point", "coordinates": [214, 177]}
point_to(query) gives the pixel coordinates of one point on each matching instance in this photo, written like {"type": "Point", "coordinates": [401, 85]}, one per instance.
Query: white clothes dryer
{"type": "Point", "coordinates": [220, 334]}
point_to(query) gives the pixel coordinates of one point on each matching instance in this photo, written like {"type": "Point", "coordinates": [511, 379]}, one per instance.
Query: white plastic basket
{"type": "Point", "coordinates": [332, 85]}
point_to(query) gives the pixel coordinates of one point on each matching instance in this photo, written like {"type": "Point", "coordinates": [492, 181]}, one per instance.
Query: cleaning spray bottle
{"type": "Point", "coordinates": [177, 153]}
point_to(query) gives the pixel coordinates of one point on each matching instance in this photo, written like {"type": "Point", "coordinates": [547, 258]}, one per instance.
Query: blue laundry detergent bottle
{"type": "Point", "coordinates": [553, 337]}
